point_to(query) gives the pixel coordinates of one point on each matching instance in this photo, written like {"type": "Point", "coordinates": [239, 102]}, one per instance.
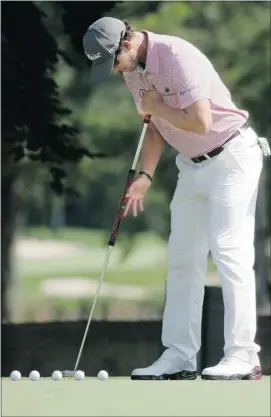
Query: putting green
{"type": "Point", "coordinates": [123, 397]}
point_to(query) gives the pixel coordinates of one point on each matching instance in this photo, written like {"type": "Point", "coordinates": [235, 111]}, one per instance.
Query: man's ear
{"type": "Point", "coordinates": [126, 44]}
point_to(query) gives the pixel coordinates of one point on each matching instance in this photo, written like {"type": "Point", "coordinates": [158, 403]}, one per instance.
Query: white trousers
{"type": "Point", "coordinates": [213, 209]}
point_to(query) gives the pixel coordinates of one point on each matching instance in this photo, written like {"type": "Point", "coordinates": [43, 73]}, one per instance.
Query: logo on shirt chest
{"type": "Point", "coordinates": [167, 92]}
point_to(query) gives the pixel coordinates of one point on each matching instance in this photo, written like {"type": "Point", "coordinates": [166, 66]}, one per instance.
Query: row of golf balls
{"type": "Point", "coordinates": [56, 375]}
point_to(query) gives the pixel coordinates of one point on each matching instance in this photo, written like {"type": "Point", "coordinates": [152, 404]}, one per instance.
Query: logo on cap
{"type": "Point", "coordinates": [92, 57]}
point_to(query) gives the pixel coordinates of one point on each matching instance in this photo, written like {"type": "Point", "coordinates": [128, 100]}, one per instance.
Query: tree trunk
{"type": "Point", "coordinates": [261, 259]}
{"type": "Point", "coordinates": [57, 212]}
{"type": "Point", "coordinates": [8, 220]}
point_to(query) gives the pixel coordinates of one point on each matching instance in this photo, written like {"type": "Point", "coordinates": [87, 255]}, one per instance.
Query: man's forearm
{"type": "Point", "coordinates": [183, 119]}
{"type": "Point", "coordinates": [151, 150]}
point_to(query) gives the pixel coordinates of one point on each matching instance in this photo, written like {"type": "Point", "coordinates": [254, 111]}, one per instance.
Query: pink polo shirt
{"type": "Point", "coordinates": [183, 75]}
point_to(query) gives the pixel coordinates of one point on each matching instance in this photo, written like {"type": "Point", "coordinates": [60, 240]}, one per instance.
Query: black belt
{"type": "Point", "coordinates": [217, 151]}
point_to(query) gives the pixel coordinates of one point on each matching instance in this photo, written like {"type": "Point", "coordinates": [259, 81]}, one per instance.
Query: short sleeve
{"type": "Point", "coordinates": [190, 80]}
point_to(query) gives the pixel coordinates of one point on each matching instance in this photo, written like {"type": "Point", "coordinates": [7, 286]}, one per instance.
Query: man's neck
{"type": "Point", "coordinates": [143, 46]}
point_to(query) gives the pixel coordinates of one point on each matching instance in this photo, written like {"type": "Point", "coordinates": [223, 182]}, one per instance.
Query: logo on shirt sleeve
{"type": "Point", "coordinates": [183, 92]}
{"type": "Point", "coordinates": [187, 90]}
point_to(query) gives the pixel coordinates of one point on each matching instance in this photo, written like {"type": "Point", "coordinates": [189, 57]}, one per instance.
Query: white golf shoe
{"type": "Point", "coordinates": [166, 367]}
{"type": "Point", "coordinates": [231, 367]}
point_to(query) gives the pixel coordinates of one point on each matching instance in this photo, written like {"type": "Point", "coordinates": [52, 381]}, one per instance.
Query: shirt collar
{"type": "Point", "coordinates": [152, 55]}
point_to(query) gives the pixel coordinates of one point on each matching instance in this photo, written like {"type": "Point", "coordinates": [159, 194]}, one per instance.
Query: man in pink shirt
{"type": "Point", "coordinates": [213, 207]}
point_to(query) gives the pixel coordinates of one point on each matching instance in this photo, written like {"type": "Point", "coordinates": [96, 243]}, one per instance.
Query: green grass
{"type": "Point", "coordinates": [123, 397]}
{"type": "Point", "coordinates": [142, 277]}
{"type": "Point", "coordinates": [88, 237]}
{"type": "Point", "coordinates": [36, 270]}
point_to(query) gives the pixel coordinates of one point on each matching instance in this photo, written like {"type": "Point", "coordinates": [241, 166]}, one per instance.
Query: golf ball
{"type": "Point", "coordinates": [15, 375]}
{"type": "Point", "coordinates": [57, 375]}
{"type": "Point", "coordinates": [103, 375]}
{"type": "Point", "coordinates": [79, 375]}
{"type": "Point", "coordinates": [34, 375]}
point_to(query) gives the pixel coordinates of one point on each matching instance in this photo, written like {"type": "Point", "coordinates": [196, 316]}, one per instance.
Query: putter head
{"type": "Point", "coordinates": [69, 374]}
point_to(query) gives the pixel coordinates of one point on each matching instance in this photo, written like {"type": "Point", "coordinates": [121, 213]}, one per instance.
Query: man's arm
{"type": "Point", "coordinates": [151, 153]}
{"type": "Point", "coordinates": [196, 118]}
{"type": "Point", "coordinates": [151, 150]}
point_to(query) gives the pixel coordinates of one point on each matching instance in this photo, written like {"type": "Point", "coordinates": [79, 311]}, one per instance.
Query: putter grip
{"type": "Point", "coordinates": [121, 208]}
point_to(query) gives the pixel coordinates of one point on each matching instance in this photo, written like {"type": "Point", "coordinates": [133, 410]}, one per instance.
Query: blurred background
{"type": "Point", "coordinates": [66, 149]}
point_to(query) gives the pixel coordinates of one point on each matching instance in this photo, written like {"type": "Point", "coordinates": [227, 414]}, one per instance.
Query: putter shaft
{"type": "Point", "coordinates": [108, 253]}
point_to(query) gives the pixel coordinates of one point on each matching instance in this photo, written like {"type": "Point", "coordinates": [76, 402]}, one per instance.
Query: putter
{"type": "Point", "coordinates": [112, 241]}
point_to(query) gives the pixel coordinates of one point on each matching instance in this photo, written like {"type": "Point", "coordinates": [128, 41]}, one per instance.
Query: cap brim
{"type": "Point", "coordinates": [102, 71]}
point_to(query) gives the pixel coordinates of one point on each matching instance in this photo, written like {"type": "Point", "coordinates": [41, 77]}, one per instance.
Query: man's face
{"type": "Point", "coordinates": [126, 60]}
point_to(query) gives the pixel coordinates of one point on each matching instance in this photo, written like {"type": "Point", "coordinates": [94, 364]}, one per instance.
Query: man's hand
{"type": "Point", "coordinates": [150, 100]}
{"type": "Point", "coordinates": [136, 193]}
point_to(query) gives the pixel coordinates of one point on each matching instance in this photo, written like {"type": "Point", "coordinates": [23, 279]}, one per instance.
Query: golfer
{"type": "Point", "coordinates": [219, 160]}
